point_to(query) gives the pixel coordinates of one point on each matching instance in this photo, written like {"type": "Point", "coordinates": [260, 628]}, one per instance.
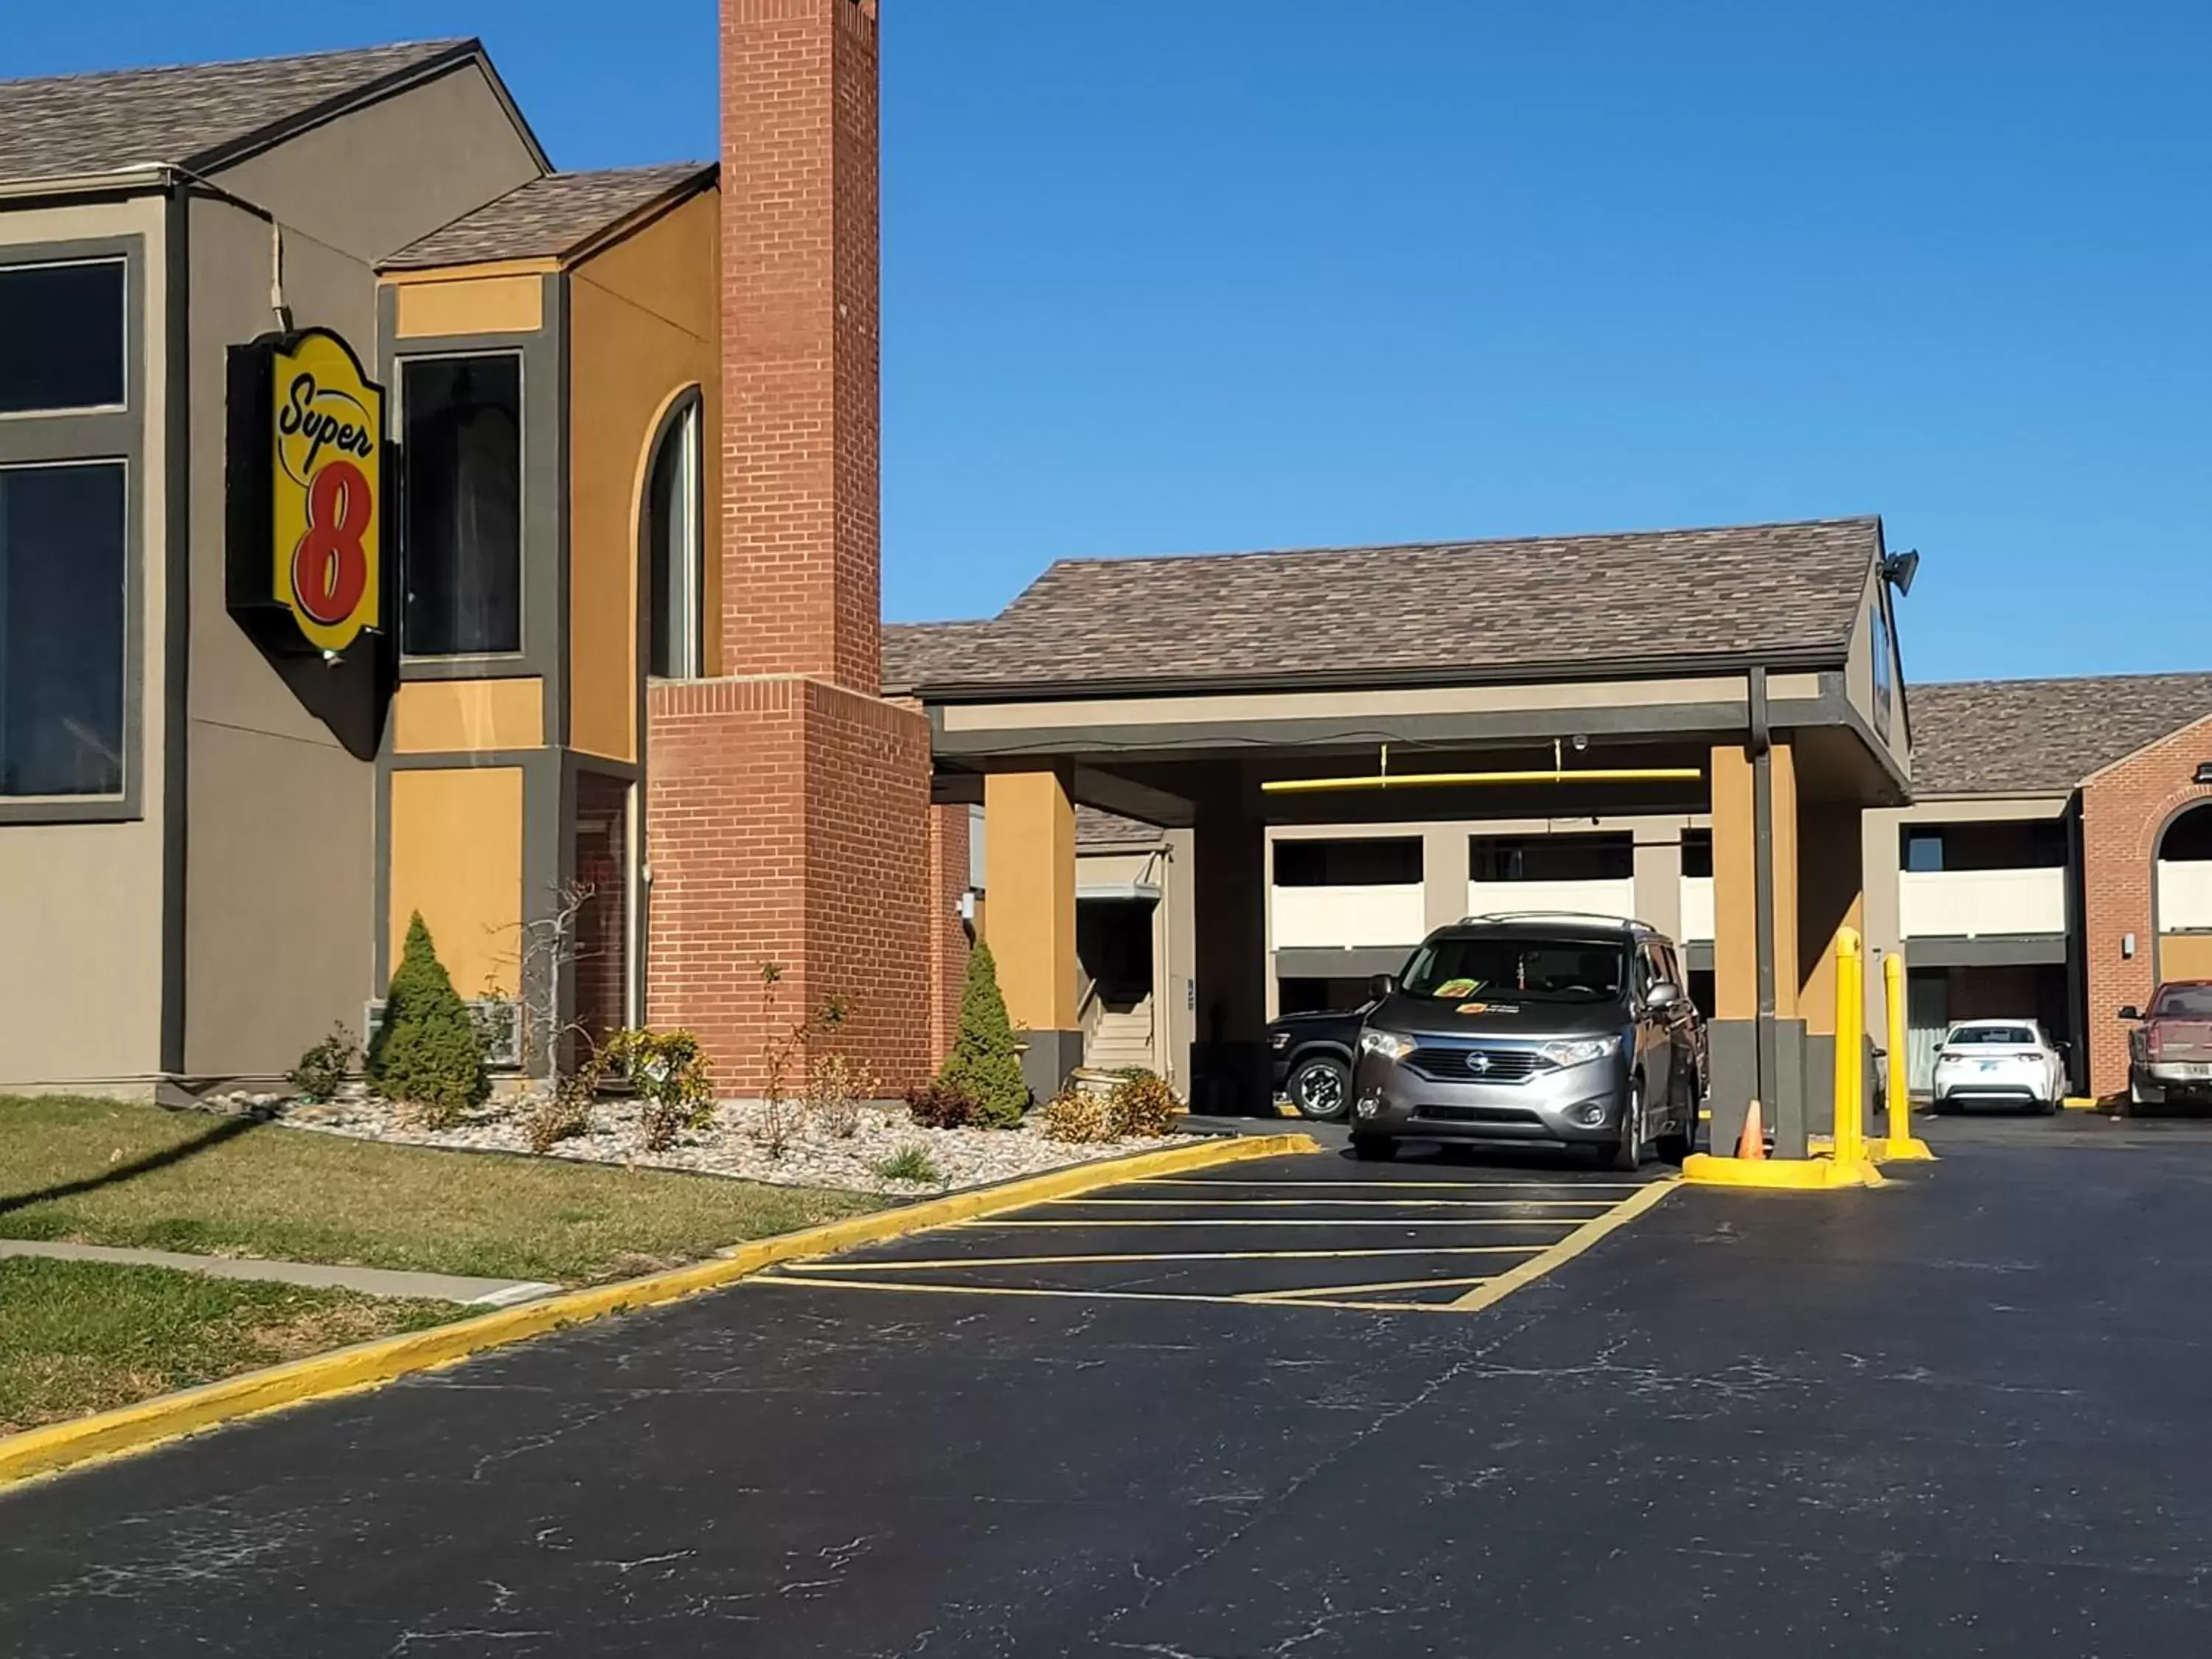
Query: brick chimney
{"type": "Point", "coordinates": [802, 489]}
{"type": "Point", "coordinates": [788, 806]}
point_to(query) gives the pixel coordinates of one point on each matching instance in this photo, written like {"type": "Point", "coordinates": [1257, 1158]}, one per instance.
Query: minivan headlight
{"type": "Point", "coordinates": [1578, 1051]}
{"type": "Point", "coordinates": [1389, 1044]}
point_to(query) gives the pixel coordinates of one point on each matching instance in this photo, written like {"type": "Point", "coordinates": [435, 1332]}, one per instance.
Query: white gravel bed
{"type": "Point", "coordinates": [731, 1145]}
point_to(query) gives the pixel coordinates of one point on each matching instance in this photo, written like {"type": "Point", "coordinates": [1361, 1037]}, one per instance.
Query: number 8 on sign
{"type": "Point", "coordinates": [329, 566]}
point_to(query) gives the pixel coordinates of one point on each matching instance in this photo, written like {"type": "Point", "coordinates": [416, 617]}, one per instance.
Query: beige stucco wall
{"type": "Point", "coordinates": [280, 834]}
{"type": "Point", "coordinates": [81, 904]}
{"type": "Point", "coordinates": [642, 333]}
{"type": "Point", "coordinates": [383, 176]}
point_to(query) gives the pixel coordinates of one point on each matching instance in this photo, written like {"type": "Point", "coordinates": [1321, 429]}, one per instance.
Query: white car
{"type": "Point", "coordinates": [2001, 1061]}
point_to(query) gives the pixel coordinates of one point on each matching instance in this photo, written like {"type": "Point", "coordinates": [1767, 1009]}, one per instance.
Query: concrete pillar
{"type": "Point", "coordinates": [1028, 853]}
{"type": "Point", "coordinates": [1831, 896]}
{"type": "Point", "coordinates": [1229, 1053]}
{"type": "Point", "coordinates": [1175, 969]}
{"type": "Point", "coordinates": [1659, 875]}
{"type": "Point", "coordinates": [1757, 1039]}
{"type": "Point", "coordinates": [1879, 854]}
{"type": "Point", "coordinates": [1444, 874]}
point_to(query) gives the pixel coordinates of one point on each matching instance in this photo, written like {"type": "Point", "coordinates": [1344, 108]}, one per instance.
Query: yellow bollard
{"type": "Point", "coordinates": [1850, 1045]}
{"type": "Point", "coordinates": [1899, 1144]}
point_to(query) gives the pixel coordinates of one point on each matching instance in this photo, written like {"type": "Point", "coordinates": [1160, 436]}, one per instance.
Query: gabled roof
{"type": "Point", "coordinates": [201, 116]}
{"type": "Point", "coordinates": [556, 216]}
{"type": "Point", "coordinates": [1430, 612]}
{"type": "Point", "coordinates": [1098, 829]}
{"type": "Point", "coordinates": [2042, 736]}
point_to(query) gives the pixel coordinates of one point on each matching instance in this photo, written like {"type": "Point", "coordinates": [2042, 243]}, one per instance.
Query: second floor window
{"type": "Point", "coordinates": [61, 337]}
{"type": "Point", "coordinates": [461, 436]}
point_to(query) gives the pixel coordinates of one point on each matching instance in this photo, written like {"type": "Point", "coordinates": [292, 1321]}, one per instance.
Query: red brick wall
{"type": "Point", "coordinates": [800, 450]}
{"type": "Point", "coordinates": [948, 883]}
{"type": "Point", "coordinates": [2124, 809]}
{"type": "Point", "coordinates": [787, 807]}
{"type": "Point", "coordinates": [789, 823]}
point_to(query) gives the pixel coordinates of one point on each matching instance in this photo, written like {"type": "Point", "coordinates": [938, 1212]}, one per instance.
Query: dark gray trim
{"type": "Point", "coordinates": [1990, 951]}
{"type": "Point", "coordinates": [1698, 955]}
{"type": "Point", "coordinates": [545, 513]}
{"type": "Point", "coordinates": [1355, 962]}
{"type": "Point", "coordinates": [177, 637]}
{"type": "Point", "coordinates": [113, 436]}
{"type": "Point", "coordinates": [1472, 729]}
{"type": "Point", "coordinates": [1048, 1057]}
{"type": "Point", "coordinates": [1341, 678]}
{"type": "Point", "coordinates": [1768, 1074]}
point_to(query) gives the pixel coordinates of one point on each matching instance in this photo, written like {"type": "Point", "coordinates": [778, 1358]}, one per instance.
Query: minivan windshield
{"type": "Point", "coordinates": [1516, 970]}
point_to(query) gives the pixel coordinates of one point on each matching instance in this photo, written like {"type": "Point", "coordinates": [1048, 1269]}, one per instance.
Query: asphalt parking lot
{"type": "Point", "coordinates": [1967, 1414]}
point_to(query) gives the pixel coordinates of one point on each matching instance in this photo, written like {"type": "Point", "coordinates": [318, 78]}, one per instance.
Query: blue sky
{"type": "Point", "coordinates": [1177, 274]}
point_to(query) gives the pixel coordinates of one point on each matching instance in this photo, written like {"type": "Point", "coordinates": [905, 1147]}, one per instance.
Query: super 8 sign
{"type": "Point", "coordinates": [306, 487]}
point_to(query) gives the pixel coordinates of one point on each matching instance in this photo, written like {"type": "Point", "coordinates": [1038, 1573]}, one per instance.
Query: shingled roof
{"type": "Point", "coordinates": [1419, 612]}
{"type": "Point", "coordinates": [2042, 736]}
{"type": "Point", "coordinates": [201, 116]}
{"type": "Point", "coordinates": [1098, 829]}
{"type": "Point", "coordinates": [554, 217]}
{"type": "Point", "coordinates": [925, 654]}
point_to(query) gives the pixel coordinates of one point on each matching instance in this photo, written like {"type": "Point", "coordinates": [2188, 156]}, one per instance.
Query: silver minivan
{"type": "Point", "coordinates": [1534, 1028]}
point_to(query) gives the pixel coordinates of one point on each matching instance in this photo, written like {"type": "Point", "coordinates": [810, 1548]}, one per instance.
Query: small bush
{"type": "Point", "coordinates": [563, 1114]}
{"type": "Point", "coordinates": [910, 1164]}
{"type": "Point", "coordinates": [323, 1070]}
{"type": "Point", "coordinates": [837, 1090]}
{"type": "Point", "coordinates": [1076, 1116]}
{"type": "Point", "coordinates": [1142, 1103]}
{"type": "Point", "coordinates": [940, 1105]}
{"type": "Point", "coordinates": [428, 1053]}
{"type": "Point", "coordinates": [671, 1075]}
{"type": "Point", "coordinates": [986, 1061]}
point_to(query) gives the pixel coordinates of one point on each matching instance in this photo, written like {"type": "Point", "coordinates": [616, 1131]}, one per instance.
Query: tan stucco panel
{"type": "Point", "coordinates": [2184, 956]}
{"type": "Point", "coordinates": [481, 305]}
{"type": "Point", "coordinates": [81, 904]}
{"type": "Point", "coordinates": [457, 857]}
{"type": "Point", "coordinates": [641, 334]}
{"type": "Point", "coordinates": [1029, 872]}
{"type": "Point", "coordinates": [455, 717]}
{"type": "Point", "coordinates": [1735, 913]}
{"type": "Point", "coordinates": [371, 182]}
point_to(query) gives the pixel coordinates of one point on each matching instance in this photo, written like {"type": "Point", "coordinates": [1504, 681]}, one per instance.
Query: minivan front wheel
{"type": "Point", "coordinates": [1628, 1150]}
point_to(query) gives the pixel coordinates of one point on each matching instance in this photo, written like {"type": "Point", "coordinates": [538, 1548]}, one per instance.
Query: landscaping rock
{"type": "Point", "coordinates": [731, 1144]}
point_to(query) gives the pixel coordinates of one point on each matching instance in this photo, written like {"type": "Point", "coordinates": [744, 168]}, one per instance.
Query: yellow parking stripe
{"type": "Point", "coordinates": [1353, 1203]}
{"type": "Point", "coordinates": [1397, 1186]}
{"type": "Point", "coordinates": [1246, 1301]}
{"type": "Point", "coordinates": [1562, 1252]}
{"type": "Point", "coordinates": [1297, 1221]}
{"type": "Point", "coordinates": [1365, 1290]}
{"type": "Point", "coordinates": [831, 1266]}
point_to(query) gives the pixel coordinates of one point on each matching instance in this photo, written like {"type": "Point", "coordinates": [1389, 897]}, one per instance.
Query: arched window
{"type": "Point", "coordinates": [674, 547]}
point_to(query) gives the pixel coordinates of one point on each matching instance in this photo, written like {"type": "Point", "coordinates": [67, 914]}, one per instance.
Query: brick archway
{"type": "Point", "coordinates": [2127, 809]}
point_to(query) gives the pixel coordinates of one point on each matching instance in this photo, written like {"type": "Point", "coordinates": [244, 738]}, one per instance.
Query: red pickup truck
{"type": "Point", "coordinates": [2170, 1051]}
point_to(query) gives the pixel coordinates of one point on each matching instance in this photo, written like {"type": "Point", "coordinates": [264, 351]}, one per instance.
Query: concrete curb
{"type": "Point", "coordinates": [60, 1446]}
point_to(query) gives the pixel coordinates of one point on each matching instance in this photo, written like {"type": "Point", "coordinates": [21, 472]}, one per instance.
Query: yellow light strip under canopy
{"type": "Point", "coordinates": [1557, 772]}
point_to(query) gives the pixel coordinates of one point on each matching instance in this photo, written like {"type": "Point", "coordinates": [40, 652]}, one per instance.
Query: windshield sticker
{"type": "Point", "coordinates": [1453, 987]}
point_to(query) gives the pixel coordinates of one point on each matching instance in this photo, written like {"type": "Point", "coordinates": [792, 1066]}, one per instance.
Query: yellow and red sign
{"type": "Point", "coordinates": [327, 530]}
{"type": "Point", "coordinates": [306, 485]}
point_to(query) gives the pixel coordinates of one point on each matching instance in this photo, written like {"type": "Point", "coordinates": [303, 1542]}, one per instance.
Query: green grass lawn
{"type": "Point", "coordinates": [84, 1336]}
{"type": "Point", "coordinates": [93, 1172]}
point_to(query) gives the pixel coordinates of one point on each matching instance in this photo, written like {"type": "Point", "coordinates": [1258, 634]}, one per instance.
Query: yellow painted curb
{"type": "Point", "coordinates": [151, 1422]}
{"type": "Point", "coordinates": [1885, 1149]}
{"type": "Point", "coordinates": [2081, 1104]}
{"type": "Point", "coordinates": [1794, 1175]}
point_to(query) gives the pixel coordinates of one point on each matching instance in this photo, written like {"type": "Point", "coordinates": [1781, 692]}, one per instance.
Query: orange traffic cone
{"type": "Point", "coordinates": [1752, 1143]}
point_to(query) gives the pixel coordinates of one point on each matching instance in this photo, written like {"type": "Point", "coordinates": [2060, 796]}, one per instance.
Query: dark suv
{"type": "Point", "coordinates": [1534, 1028]}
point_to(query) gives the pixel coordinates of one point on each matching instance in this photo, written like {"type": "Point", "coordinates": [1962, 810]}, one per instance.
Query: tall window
{"type": "Point", "coordinates": [603, 926]}
{"type": "Point", "coordinates": [674, 548]}
{"type": "Point", "coordinates": [61, 337]}
{"type": "Point", "coordinates": [461, 431]}
{"type": "Point", "coordinates": [61, 630]}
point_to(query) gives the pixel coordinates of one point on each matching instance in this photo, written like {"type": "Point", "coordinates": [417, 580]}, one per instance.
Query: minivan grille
{"type": "Point", "coordinates": [1476, 1065]}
